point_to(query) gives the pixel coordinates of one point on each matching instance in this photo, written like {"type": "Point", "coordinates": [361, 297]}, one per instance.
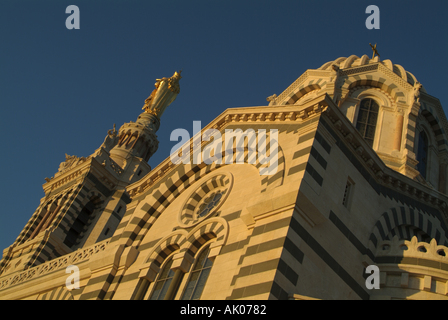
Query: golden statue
{"type": "Point", "coordinates": [374, 50]}
{"type": "Point", "coordinates": [163, 95]}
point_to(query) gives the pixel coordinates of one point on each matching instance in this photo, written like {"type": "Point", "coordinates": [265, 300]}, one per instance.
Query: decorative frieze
{"type": "Point", "coordinates": [75, 257]}
{"type": "Point", "coordinates": [347, 72]}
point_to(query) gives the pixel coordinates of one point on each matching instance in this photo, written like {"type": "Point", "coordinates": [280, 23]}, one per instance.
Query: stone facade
{"type": "Point", "coordinates": [342, 198]}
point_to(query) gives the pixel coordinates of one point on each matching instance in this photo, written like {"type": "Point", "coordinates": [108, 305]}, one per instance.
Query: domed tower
{"type": "Point", "coordinates": [390, 109]}
{"type": "Point", "coordinates": [86, 199]}
{"type": "Point", "coordinates": [138, 139]}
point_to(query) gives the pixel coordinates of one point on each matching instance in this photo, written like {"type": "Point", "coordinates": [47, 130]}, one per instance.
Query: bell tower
{"type": "Point", "coordinates": [86, 198]}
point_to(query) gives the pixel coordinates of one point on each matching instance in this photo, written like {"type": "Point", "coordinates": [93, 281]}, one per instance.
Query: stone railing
{"type": "Point", "coordinates": [411, 270]}
{"type": "Point", "coordinates": [75, 257]}
{"type": "Point", "coordinates": [413, 249]}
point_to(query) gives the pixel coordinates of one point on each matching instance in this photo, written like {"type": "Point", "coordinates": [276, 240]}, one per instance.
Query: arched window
{"type": "Point", "coordinates": [422, 153]}
{"type": "Point", "coordinates": [198, 276]}
{"type": "Point", "coordinates": [367, 118]}
{"type": "Point", "coordinates": [162, 284]}
{"type": "Point", "coordinates": [76, 232]}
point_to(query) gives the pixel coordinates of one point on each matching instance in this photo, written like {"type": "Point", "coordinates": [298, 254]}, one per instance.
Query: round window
{"type": "Point", "coordinates": [205, 200]}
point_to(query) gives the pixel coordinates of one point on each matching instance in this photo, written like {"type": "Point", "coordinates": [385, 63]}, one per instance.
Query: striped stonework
{"type": "Point", "coordinates": [435, 107]}
{"type": "Point", "coordinates": [312, 152]}
{"type": "Point", "coordinates": [166, 247]}
{"type": "Point", "coordinates": [297, 232]}
{"type": "Point", "coordinates": [98, 284]}
{"type": "Point", "coordinates": [267, 240]}
{"type": "Point", "coordinates": [189, 242]}
{"type": "Point", "coordinates": [43, 249]}
{"type": "Point", "coordinates": [83, 197]}
{"type": "Point", "coordinates": [37, 217]}
{"type": "Point", "coordinates": [135, 226]}
{"type": "Point", "coordinates": [303, 90]}
{"type": "Point", "coordinates": [211, 229]}
{"type": "Point", "coordinates": [375, 81]}
{"type": "Point", "coordinates": [409, 140]}
{"type": "Point", "coordinates": [433, 120]}
{"type": "Point", "coordinates": [304, 238]}
{"type": "Point", "coordinates": [220, 183]}
{"type": "Point", "coordinates": [406, 222]}
{"type": "Point", "coordinates": [183, 246]}
{"type": "Point", "coordinates": [104, 267]}
{"type": "Point", "coordinates": [56, 294]}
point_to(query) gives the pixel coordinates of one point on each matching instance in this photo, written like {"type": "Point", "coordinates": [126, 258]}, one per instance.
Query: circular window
{"type": "Point", "coordinates": [209, 203]}
{"type": "Point", "coordinates": [205, 200]}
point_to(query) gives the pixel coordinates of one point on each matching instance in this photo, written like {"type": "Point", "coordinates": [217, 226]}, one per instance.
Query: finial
{"type": "Point", "coordinates": [165, 92]}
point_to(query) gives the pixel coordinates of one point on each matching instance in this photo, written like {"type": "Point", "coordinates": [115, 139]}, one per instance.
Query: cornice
{"type": "Point", "coordinates": [320, 106]}
{"type": "Point", "coordinates": [106, 169]}
{"type": "Point", "coordinates": [248, 115]}
{"type": "Point", "coordinates": [67, 176]}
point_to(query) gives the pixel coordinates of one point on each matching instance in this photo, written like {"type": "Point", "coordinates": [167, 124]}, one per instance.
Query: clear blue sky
{"type": "Point", "coordinates": [61, 90]}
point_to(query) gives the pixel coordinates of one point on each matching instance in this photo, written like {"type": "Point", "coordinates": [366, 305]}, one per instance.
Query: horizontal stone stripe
{"type": "Point", "coordinates": [276, 176]}
{"type": "Point", "coordinates": [231, 247]}
{"type": "Point", "coordinates": [249, 291]}
{"type": "Point", "coordinates": [302, 152]}
{"type": "Point", "coordinates": [122, 224]}
{"type": "Point", "coordinates": [262, 247]}
{"type": "Point", "coordinates": [232, 216]}
{"type": "Point", "coordinates": [130, 277]}
{"type": "Point", "coordinates": [306, 137]}
{"type": "Point", "coordinates": [97, 294]}
{"type": "Point", "coordinates": [278, 292]}
{"type": "Point", "coordinates": [314, 174]}
{"type": "Point", "coordinates": [288, 272]}
{"type": "Point", "coordinates": [329, 260]}
{"type": "Point", "coordinates": [347, 233]}
{"type": "Point", "coordinates": [115, 238]}
{"type": "Point", "coordinates": [316, 155]}
{"type": "Point", "coordinates": [298, 168]}
{"type": "Point", "coordinates": [256, 268]}
{"type": "Point", "coordinates": [108, 278]}
{"type": "Point", "coordinates": [148, 245]}
{"type": "Point", "coordinates": [271, 226]}
{"type": "Point", "coordinates": [294, 250]}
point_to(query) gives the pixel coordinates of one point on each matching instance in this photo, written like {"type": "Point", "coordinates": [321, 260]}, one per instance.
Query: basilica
{"type": "Point", "coordinates": [360, 180]}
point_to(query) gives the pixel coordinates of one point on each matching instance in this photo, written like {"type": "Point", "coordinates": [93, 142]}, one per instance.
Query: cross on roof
{"type": "Point", "coordinates": [374, 50]}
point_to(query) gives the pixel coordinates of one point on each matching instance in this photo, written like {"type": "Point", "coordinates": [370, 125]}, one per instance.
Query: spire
{"type": "Point", "coordinates": [138, 139]}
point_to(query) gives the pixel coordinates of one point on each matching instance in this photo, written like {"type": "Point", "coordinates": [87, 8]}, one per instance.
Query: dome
{"type": "Point", "coordinates": [355, 61]}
